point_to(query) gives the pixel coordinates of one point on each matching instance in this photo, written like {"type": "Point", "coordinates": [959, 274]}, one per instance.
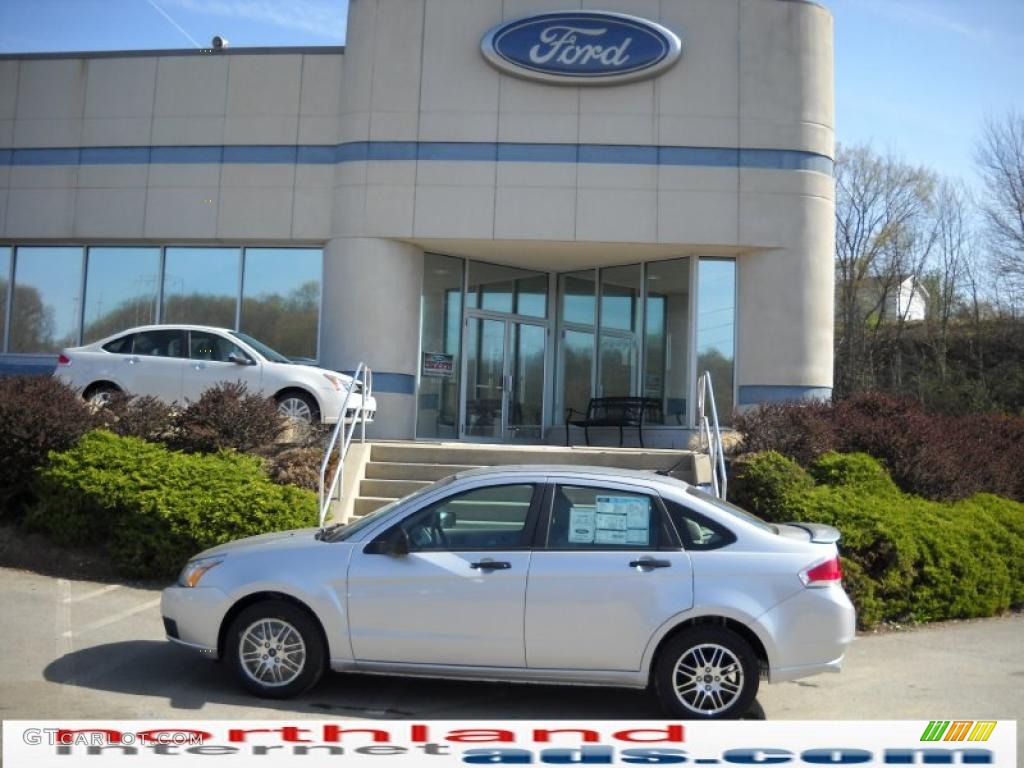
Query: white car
{"type": "Point", "coordinates": [539, 574]}
{"type": "Point", "coordinates": [179, 362]}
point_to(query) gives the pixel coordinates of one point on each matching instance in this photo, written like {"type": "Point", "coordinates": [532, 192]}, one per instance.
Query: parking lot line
{"type": "Point", "coordinates": [91, 594]}
{"type": "Point", "coordinates": [113, 618]}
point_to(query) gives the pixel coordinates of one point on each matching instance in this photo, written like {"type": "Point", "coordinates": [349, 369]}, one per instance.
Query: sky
{"type": "Point", "coordinates": [915, 78]}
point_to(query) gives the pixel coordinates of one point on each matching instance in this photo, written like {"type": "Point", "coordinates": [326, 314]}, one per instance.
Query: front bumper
{"type": "Point", "coordinates": [811, 632]}
{"type": "Point", "coordinates": [192, 616]}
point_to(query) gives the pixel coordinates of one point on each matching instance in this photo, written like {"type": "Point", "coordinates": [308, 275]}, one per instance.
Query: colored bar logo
{"type": "Point", "coordinates": [958, 730]}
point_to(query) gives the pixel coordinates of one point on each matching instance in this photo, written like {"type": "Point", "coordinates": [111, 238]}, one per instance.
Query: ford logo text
{"type": "Point", "coordinates": [582, 48]}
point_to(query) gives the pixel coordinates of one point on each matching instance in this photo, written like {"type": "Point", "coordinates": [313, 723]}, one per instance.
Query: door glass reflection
{"type": "Point", "coordinates": [485, 362]}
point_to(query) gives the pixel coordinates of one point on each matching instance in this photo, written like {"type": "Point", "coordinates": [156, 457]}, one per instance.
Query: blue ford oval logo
{"type": "Point", "coordinates": [582, 47]}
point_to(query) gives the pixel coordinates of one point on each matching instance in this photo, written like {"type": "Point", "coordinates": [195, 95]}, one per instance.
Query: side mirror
{"type": "Point", "coordinates": [447, 519]}
{"type": "Point", "coordinates": [238, 359]}
{"type": "Point", "coordinates": [394, 542]}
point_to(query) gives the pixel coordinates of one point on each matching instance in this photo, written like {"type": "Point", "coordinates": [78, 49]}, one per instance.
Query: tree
{"type": "Point", "coordinates": [882, 238]}
{"type": "Point", "coordinates": [1000, 159]}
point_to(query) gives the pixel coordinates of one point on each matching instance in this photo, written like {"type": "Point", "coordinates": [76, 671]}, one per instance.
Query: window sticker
{"type": "Point", "coordinates": [582, 525]}
{"type": "Point", "coordinates": [623, 520]}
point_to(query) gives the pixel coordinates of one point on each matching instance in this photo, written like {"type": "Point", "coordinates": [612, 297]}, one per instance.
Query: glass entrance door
{"type": "Point", "coordinates": [504, 379]}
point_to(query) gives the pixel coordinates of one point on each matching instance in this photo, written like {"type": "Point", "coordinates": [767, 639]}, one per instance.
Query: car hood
{"type": "Point", "coordinates": [280, 539]}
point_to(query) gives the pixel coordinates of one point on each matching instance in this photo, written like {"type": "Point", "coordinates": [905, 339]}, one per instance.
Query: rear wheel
{"type": "Point", "coordinates": [298, 407]}
{"type": "Point", "coordinates": [707, 673]}
{"type": "Point", "coordinates": [275, 649]}
{"type": "Point", "coordinates": [99, 394]}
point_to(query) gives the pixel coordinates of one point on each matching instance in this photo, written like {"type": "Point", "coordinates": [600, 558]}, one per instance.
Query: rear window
{"type": "Point", "coordinates": [732, 509]}
{"type": "Point", "coordinates": [121, 346]}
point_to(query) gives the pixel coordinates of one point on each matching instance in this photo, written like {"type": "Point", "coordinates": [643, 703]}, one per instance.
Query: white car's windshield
{"type": "Point", "coordinates": [271, 355]}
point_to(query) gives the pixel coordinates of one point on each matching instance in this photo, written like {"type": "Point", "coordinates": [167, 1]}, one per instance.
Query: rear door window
{"type": "Point", "coordinates": [594, 518]}
{"type": "Point", "coordinates": [167, 343]}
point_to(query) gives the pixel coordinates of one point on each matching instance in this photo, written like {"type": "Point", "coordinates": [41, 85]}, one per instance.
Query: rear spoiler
{"type": "Point", "coordinates": [820, 534]}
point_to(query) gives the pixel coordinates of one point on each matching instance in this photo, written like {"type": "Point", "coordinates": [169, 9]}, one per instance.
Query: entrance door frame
{"type": "Point", "coordinates": [510, 320]}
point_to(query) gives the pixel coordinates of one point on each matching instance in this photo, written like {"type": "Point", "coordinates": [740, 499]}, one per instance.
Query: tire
{"type": "Point", "coordinates": [298, 407]}
{"type": "Point", "coordinates": [286, 632]}
{"type": "Point", "coordinates": [707, 696]}
{"type": "Point", "coordinates": [98, 394]}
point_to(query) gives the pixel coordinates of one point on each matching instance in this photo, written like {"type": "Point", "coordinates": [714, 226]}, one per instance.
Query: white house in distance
{"type": "Point", "coordinates": [909, 301]}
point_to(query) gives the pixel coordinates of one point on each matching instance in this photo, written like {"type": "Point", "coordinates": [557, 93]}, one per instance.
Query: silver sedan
{"type": "Point", "coordinates": [530, 574]}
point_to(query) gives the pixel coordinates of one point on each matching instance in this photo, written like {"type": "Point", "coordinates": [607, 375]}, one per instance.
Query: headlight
{"type": "Point", "coordinates": [194, 570]}
{"type": "Point", "coordinates": [335, 381]}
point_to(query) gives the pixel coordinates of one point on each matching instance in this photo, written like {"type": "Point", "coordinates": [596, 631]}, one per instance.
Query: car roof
{"type": "Point", "coordinates": [648, 477]}
{"type": "Point", "coordinates": [171, 327]}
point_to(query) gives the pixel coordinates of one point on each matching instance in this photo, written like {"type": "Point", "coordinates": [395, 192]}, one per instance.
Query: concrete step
{"type": "Point", "coordinates": [389, 470]}
{"type": "Point", "coordinates": [364, 505]}
{"type": "Point", "coordinates": [390, 489]}
{"type": "Point", "coordinates": [488, 455]}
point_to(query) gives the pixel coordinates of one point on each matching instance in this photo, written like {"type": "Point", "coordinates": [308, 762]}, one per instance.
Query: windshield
{"type": "Point", "coordinates": [271, 355]}
{"type": "Point", "coordinates": [342, 532]}
{"type": "Point", "coordinates": [732, 509]}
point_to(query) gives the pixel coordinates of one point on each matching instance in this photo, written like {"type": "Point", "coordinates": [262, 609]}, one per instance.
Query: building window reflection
{"type": "Point", "coordinates": [121, 289]}
{"type": "Point", "coordinates": [716, 329]}
{"type": "Point", "coordinates": [278, 301]}
{"type": "Point", "coordinates": [46, 301]}
{"type": "Point", "coordinates": [281, 298]}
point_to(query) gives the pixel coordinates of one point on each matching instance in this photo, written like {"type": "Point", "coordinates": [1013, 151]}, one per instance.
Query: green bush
{"type": "Point", "coordinates": [154, 508]}
{"type": "Point", "coordinates": [763, 482]}
{"type": "Point", "coordinates": [905, 558]}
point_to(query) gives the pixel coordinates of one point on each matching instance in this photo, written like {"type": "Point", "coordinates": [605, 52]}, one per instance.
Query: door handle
{"type": "Point", "coordinates": [648, 562]}
{"type": "Point", "coordinates": [199, 366]}
{"type": "Point", "coordinates": [132, 360]}
{"type": "Point", "coordinates": [491, 565]}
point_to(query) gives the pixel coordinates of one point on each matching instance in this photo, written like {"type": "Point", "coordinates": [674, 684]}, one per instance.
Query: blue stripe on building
{"type": "Point", "coordinates": [361, 151]}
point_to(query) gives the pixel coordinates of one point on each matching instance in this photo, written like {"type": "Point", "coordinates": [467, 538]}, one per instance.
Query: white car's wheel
{"type": "Point", "coordinates": [298, 408]}
{"type": "Point", "coordinates": [275, 649]}
{"type": "Point", "coordinates": [707, 673]}
{"type": "Point", "coordinates": [98, 395]}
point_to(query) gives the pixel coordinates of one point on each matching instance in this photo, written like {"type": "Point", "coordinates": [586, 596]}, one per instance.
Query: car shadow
{"type": "Point", "coordinates": [157, 668]}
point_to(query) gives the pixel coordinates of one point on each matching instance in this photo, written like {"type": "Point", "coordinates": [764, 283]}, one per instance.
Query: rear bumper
{"type": "Point", "coordinates": [811, 632]}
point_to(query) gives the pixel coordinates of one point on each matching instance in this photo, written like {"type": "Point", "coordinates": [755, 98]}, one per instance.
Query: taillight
{"type": "Point", "coordinates": [63, 360]}
{"type": "Point", "coordinates": [823, 574]}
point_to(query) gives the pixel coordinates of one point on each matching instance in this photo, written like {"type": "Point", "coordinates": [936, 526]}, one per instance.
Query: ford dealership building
{"type": "Point", "coordinates": [504, 207]}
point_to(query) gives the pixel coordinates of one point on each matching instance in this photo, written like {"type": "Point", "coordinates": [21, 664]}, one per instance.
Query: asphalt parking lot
{"type": "Point", "coordinates": [86, 650]}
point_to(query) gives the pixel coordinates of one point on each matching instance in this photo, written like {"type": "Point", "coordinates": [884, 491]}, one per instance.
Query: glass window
{"type": "Point", "coordinates": [440, 341]}
{"type": "Point", "coordinates": [620, 323]}
{"type": "Point", "coordinates": [666, 338]}
{"type": "Point", "coordinates": [159, 344]}
{"type": "Point", "coordinates": [5, 277]}
{"type": "Point", "coordinates": [579, 300]}
{"type": "Point", "coordinates": [47, 302]}
{"type": "Point", "coordinates": [577, 369]}
{"type": "Point", "coordinates": [121, 346]}
{"type": "Point", "coordinates": [620, 298]}
{"type": "Point", "coordinates": [121, 287]}
{"type": "Point", "coordinates": [498, 288]}
{"type": "Point", "coordinates": [201, 286]}
{"type": "Point", "coordinates": [281, 298]}
{"type": "Point", "coordinates": [602, 518]}
{"type": "Point", "coordinates": [696, 531]}
{"type": "Point", "coordinates": [716, 327]}
{"type": "Point", "coordinates": [482, 519]}
{"type": "Point", "coordinates": [213, 347]}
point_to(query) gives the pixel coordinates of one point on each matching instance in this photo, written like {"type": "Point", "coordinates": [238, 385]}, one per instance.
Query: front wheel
{"type": "Point", "coordinates": [299, 408]}
{"type": "Point", "coordinates": [275, 649]}
{"type": "Point", "coordinates": [708, 673]}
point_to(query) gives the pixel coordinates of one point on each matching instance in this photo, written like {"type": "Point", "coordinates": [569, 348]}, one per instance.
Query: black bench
{"type": "Point", "coordinates": [616, 412]}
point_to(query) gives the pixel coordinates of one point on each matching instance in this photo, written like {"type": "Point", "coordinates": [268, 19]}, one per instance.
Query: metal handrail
{"type": "Point", "coordinates": [711, 440]}
{"type": "Point", "coordinates": [346, 430]}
